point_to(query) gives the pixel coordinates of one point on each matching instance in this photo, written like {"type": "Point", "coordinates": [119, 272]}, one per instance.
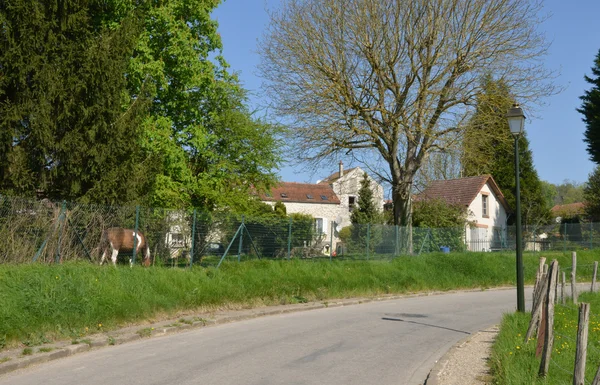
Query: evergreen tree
{"type": "Point", "coordinates": [122, 102]}
{"type": "Point", "coordinates": [66, 131]}
{"type": "Point", "coordinates": [366, 211]}
{"type": "Point", "coordinates": [365, 219]}
{"type": "Point", "coordinates": [590, 109]}
{"type": "Point", "coordinates": [488, 148]}
{"type": "Point", "coordinates": [591, 195]}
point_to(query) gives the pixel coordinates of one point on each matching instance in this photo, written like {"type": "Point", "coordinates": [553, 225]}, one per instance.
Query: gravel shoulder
{"type": "Point", "coordinates": [466, 363]}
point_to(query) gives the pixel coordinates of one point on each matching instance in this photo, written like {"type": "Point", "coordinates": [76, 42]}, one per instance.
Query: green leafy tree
{"type": "Point", "coordinates": [280, 209]}
{"type": "Point", "coordinates": [208, 147]}
{"type": "Point", "coordinates": [569, 192]}
{"type": "Point", "coordinates": [590, 109]}
{"type": "Point", "coordinates": [549, 192]}
{"type": "Point", "coordinates": [436, 213]}
{"type": "Point", "coordinates": [488, 148]}
{"type": "Point", "coordinates": [118, 102]}
{"type": "Point", "coordinates": [439, 224]}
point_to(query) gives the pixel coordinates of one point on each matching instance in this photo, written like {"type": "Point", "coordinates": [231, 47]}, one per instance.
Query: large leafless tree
{"type": "Point", "coordinates": [394, 78]}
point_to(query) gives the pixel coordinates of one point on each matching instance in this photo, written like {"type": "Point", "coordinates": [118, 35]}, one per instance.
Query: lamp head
{"type": "Point", "coordinates": [516, 120]}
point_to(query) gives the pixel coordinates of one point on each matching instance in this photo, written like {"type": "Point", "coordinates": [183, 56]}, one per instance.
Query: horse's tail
{"type": "Point", "coordinates": [146, 252]}
{"type": "Point", "coordinates": [103, 246]}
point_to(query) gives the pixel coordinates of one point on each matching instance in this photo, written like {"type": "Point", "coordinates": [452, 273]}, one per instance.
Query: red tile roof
{"type": "Point", "coordinates": [461, 191]}
{"type": "Point", "coordinates": [302, 193]}
{"type": "Point", "coordinates": [569, 209]}
{"type": "Point", "coordinates": [336, 175]}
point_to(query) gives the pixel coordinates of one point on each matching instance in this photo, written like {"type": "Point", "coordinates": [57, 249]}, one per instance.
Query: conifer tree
{"type": "Point", "coordinates": [591, 195]}
{"type": "Point", "coordinates": [590, 109]}
{"type": "Point", "coordinates": [121, 102]}
{"type": "Point", "coordinates": [488, 148]}
{"type": "Point", "coordinates": [365, 217]}
{"type": "Point", "coordinates": [366, 211]}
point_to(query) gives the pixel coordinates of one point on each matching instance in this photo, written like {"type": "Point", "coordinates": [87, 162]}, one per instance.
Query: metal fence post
{"type": "Point", "coordinates": [332, 224]}
{"type": "Point", "coordinates": [368, 238]}
{"type": "Point", "coordinates": [396, 245]}
{"type": "Point", "coordinates": [137, 219]}
{"type": "Point", "coordinates": [289, 253]}
{"type": "Point", "coordinates": [61, 227]}
{"type": "Point", "coordinates": [565, 238]}
{"type": "Point", "coordinates": [193, 238]}
{"type": "Point", "coordinates": [591, 235]}
{"type": "Point", "coordinates": [241, 240]}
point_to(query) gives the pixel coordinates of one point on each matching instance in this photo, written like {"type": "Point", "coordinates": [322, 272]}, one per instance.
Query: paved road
{"type": "Point", "coordinates": [389, 342]}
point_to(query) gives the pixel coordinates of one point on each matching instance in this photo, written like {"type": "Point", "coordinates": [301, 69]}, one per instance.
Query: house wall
{"type": "Point", "coordinates": [327, 212]}
{"type": "Point", "coordinates": [486, 233]}
{"type": "Point", "coordinates": [348, 186]}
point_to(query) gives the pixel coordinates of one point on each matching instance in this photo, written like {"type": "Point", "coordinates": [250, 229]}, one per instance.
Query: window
{"type": "Point", "coordinates": [177, 240]}
{"type": "Point", "coordinates": [309, 196]}
{"type": "Point", "coordinates": [324, 197]}
{"type": "Point", "coordinates": [485, 206]}
{"type": "Point", "coordinates": [351, 202]}
{"type": "Point", "coordinates": [284, 195]}
{"type": "Point", "coordinates": [319, 226]}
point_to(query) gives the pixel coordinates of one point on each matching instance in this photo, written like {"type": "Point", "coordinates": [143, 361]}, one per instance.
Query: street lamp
{"type": "Point", "coordinates": [516, 122]}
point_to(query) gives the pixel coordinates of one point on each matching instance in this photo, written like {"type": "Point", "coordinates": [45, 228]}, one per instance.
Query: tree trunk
{"type": "Point", "coordinates": [403, 211]}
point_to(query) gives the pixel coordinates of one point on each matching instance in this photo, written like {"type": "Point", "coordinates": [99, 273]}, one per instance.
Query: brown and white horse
{"type": "Point", "coordinates": [117, 239]}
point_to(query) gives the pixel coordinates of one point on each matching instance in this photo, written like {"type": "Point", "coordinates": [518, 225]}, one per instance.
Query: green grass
{"type": "Point", "coordinates": [513, 362]}
{"type": "Point", "coordinates": [40, 302]}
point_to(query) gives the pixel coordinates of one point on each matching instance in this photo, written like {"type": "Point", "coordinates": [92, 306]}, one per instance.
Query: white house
{"type": "Point", "coordinates": [486, 207]}
{"type": "Point", "coordinates": [330, 201]}
{"type": "Point", "coordinates": [346, 184]}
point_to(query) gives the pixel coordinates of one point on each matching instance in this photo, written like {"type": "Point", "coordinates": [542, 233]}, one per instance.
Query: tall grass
{"type": "Point", "coordinates": [41, 302]}
{"type": "Point", "coordinates": [514, 362]}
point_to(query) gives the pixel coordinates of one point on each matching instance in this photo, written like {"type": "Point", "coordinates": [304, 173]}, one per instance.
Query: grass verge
{"type": "Point", "coordinates": [513, 361]}
{"type": "Point", "coordinates": [39, 302]}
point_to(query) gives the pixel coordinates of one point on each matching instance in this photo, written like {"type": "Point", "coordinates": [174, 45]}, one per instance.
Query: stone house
{"type": "Point", "coordinates": [346, 184]}
{"type": "Point", "coordinates": [330, 201]}
{"type": "Point", "coordinates": [487, 208]}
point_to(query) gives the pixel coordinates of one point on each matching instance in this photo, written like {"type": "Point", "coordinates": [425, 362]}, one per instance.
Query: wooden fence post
{"type": "Point", "coordinates": [562, 289]}
{"type": "Point", "coordinates": [574, 278]}
{"type": "Point", "coordinates": [539, 295]}
{"type": "Point", "coordinates": [594, 276]}
{"type": "Point", "coordinates": [549, 337]}
{"type": "Point", "coordinates": [538, 277]}
{"type": "Point", "coordinates": [582, 339]}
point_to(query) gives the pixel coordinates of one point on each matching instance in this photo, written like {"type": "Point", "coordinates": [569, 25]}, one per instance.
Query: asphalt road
{"type": "Point", "coordinates": [388, 342]}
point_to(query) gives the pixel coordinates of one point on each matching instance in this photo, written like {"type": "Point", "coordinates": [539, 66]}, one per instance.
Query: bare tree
{"type": "Point", "coordinates": [393, 80]}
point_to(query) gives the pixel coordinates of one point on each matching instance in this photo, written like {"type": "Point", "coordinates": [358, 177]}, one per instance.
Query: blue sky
{"type": "Point", "coordinates": [555, 135]}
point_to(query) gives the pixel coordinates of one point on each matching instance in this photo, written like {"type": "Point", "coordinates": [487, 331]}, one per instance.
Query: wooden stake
{"type": "Point", "coordinates": [562, 289]}
{"type": "Point", "coordinates": [581, 348]}
{"type": "Point", "coordinates": [574, 278]}
{"type": "Point", "coordinates": [549, 337]}
{"type": "Point", "coordinates": [594, 276]}
{"type": "Point", "coordinates": [536, 309]}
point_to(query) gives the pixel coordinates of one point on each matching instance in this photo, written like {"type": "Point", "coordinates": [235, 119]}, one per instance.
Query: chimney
{"type": "Point", "coordinates": [341, 169]}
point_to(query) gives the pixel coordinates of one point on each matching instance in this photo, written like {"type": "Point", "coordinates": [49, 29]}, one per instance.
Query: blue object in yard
{"type": "Point", "coordinates": [445, 249]}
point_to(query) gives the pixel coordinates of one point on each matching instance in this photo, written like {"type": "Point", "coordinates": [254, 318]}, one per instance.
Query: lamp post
{"type": "Point", "coordinates": [516, 122]}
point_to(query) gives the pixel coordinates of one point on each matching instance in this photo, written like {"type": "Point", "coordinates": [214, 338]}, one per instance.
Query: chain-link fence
{"type": "Point", "coordinates": [46, 231]}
